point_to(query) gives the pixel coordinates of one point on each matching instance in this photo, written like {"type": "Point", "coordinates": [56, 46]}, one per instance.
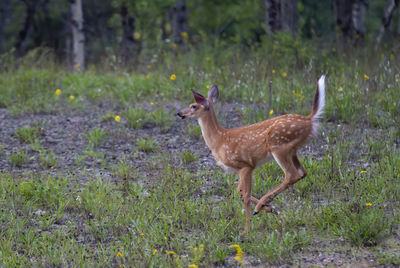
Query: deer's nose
{"type": "Point", "coordinates": [180, 115]}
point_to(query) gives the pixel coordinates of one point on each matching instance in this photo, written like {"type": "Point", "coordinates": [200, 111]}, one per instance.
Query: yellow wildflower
{"type": "Point", "coordinates": [184, 34]}
{"type": "Point", "coordinates": [368, 204]}
{"type": "Point", "coordinates": [78, 64]}
{"type": "Point", "coordinates": [117, 118]}
{"type": "Point", "coordinates": [366, 76]}
{"type": "Point", "coordinates": [284, 74]}
{"type": "Point", "coordinates": [170, 252]}
{"type": "Point", "coordinates": [141, 234]}
{"type": "Point", "coordinates": [136, 35]}
{"type": "Point", "coordinates": [151, 103]}
{"type": "Point", "coordinates": [273, 71]}
{"type": "Point", "coordinates": [340, 89]}
{"type": "Point", "coordinates": [71, 97]}
{"type": "Point", "coordinates": [119, 254]}
{"type": "Point", "coordinates": [154, 252]}
{"type": "Point", "coordinates": [172, 77]}
{"type": "Point", "coordinates": [175, 46]}
{"type": "Point", "coordinates": [208, 58]}
{"type": "Point", "coordinates": [58, 92]}
{"type": "Point", "coordinates": [193, 266]}
{"type": "Point", "coordinates": [363, 171]}
{"type": "Point", "coordinates": [208, 87]}
{"type": "Point", "coordinates": [239, 259]}
{"type": "Point", "coordinates": [271, 112]}
{"type": "Point", "coordinates": [239, 251]}
{"type": "Point", "coordinates": [148, 66]}
{"type": "Point", "coordinates": [147, 76]}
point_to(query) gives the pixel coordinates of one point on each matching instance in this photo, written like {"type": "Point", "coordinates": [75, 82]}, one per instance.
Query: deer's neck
{"type": "Point", "coordinates": [211, 129]}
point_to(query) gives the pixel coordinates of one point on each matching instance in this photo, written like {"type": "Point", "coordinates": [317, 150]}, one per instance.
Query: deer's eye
{"type": "Point", "coordinates": [193, 107]}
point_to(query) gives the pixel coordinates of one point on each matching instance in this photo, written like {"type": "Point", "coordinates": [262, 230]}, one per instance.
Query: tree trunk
{"type": "Point", "coordinates": [290, 16]}
{"type": "Point", "coordinates": [4, 14]}
{"type": "Point", "coordinates": [272, 16]}
{"type": "Point", "coordinates": [179, 19]}
{"type": "Point", "coordinates": [128, 42]}
{"type": "Point", "coordinates": [78, 35]}
{"type": "Point", "coordinates": [387, 17]}
{"type": "Point", "coordinates": [20, 44]}
{"type": "Point", "coordinates": [398, 24]}
{"type": "Point", "coordinates": [343, 17]}
{"type": "Point", "coordinates": [281, 15]}
{"type": "Point", "coordinates": [359, 11]}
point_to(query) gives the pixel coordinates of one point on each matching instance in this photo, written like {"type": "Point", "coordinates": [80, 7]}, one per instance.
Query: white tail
{"type": "Point", "coordinates": [321, 98]}
{"type": "Point", "coordinates": [319, 104]}
{"type": "Point", "coordinates": [241, 150]}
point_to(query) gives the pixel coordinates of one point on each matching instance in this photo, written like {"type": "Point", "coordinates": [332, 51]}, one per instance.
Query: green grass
{"type": "Point", "coordinates": [146, 145]}
{"type": "Point", "coordinates": [124, 171]}
{"type": "Point", "coordinates": [243, 75]}
{"type": "Point", "coordinates": [17, 159]}
{"type": "Point", "coordinates": [148, 206]}
{"type": "Point", "coordinates": [136, 117]}
{"type": "Point", "coordinates": [96, 137]}
{"type": "Point", "coordinates": [48, 159]}
{"type": "Point", "coordinates": [28, 134]}
{"type": "Point", "coordinates": [46, 211]}
{"type": "Point", "coordinates": [194, 131]}
{"type": "Point", "coordinates": [188, 157]}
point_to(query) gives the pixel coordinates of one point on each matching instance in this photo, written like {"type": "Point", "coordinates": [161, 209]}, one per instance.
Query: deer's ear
{"type": "Point", "coordinates": [200, 99]}
{"type": "Point", "coordinates": [213, 93]}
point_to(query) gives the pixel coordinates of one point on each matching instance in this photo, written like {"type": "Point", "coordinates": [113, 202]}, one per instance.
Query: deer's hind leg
{"type": "Point", "coordinates": [300, 168]}
{"type": "Point", "coordinates": [286, 161]}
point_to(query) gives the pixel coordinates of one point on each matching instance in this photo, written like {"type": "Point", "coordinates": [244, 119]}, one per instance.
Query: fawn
{"type": "Point", "coordinates": [240, 150]}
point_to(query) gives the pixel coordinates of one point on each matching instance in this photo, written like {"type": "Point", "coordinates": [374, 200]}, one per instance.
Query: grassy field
{"type": "Point", "coordinates": [97, 171]}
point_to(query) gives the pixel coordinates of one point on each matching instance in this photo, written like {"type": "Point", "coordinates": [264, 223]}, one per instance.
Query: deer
{"type": "Point", "coordinates": [240, 150]}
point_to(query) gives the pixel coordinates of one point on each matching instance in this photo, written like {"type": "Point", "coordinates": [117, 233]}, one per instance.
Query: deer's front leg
{"type": "Point", "coordinates": [244, 189]}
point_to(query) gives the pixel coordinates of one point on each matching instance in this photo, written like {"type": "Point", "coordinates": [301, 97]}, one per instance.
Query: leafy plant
{"type": "Point", "coordinates": [188, 157]}
{"type": "Point", "coordinates": [146, 145]}
{"type": "Point", "coordinates": [48, 159]}
{"type": "Point", "coordinates": [123, 170]}
{"type": "Point", "coordinates": [96, 137]}
{"type": "Point", "coordinates": [194, 131]}
{"type": "Point", "coordinates": [136, 117]}
{"type": "Point", "coordinates": [364, 226]}
{"type": "Point", "coordinates": [17, 159]}
{"type": "Point", "coordinates": [27, 133]}
{"type": "Point", "coordinates": [159, 118]}
{"type": "Point", "coordinates": [108, 117]}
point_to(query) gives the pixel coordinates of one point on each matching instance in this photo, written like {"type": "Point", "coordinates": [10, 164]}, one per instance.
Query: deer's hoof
{"type": "Point", "coordinates": [255, 212]}
{"type": "Point", "coordinates": [275, 211]}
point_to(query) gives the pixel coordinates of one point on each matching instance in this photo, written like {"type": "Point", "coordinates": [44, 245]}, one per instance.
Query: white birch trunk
{"type": "Point", "coordinates": [78, 36]}
{"type": "Point", "coordinates": [387, 17]}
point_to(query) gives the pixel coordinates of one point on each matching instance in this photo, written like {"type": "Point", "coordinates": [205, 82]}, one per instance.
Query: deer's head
{"type": "Point", "coordinates": [202, 106]}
